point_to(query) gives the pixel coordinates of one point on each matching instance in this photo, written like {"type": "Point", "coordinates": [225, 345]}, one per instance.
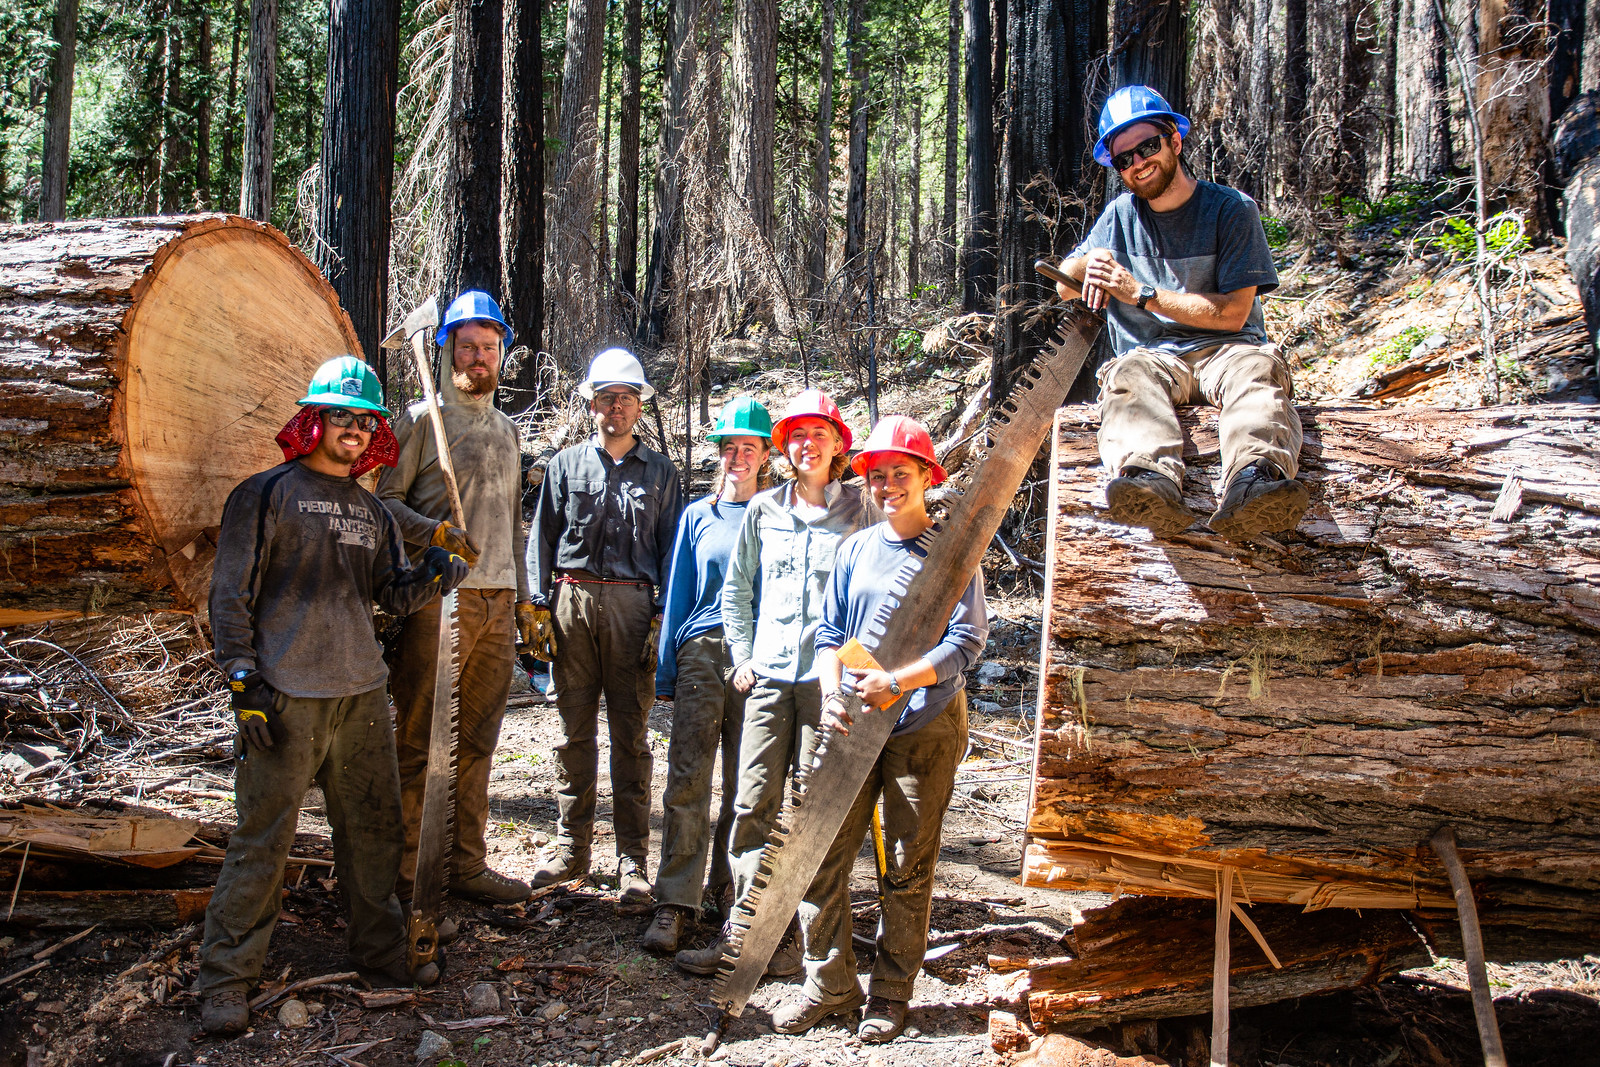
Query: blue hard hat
{"type": "Point", "coordinates": [1128, 106]}
{"type": "Point", "coordinates": [471, 306]}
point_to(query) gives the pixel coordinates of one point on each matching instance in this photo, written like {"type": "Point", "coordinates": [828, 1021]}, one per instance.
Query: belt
{"type": "Point", "coordinates": [583, 578]}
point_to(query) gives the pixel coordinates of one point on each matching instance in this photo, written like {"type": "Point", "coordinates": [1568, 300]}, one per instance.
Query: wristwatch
{"type": "Point", "coordinates": [1147, 293]}
{"type": "Point", "coordinates": [894, 685]}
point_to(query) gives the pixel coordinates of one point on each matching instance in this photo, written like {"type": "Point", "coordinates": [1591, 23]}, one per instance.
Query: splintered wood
{"type": "Point", "coordinates": [1309, 708]}
{"type": "Point", "coordinates": [142, 840]}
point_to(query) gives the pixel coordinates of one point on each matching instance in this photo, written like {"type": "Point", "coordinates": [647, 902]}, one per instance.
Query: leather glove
{"type": "Point", "coordinates": [254, 705]}
{"type": "Point", "coordinates": [455, 539]}
{"type": "Point", "coordinates": [441, 566]}
{"type": "Point", "coordinates": [536, 632]}
{"type": "Point", "coordinates": [651, 644]}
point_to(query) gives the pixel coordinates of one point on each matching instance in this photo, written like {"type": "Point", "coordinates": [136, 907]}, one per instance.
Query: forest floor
{"type": "Point", "coordinates": [562, 980]}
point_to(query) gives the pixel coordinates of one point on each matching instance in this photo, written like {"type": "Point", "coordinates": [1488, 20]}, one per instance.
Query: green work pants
{"type": "Point", "coordinates": [346, 746]}
{"type": "Point", "coordinates": [485, 652]}
{"type": "Point", "coordinates": [780, 726]}
{"type": "Point", "coordinates": [915, 775]}
{"type": "Point", "coordinates": [601, 633]}
{"type": "Point", "coordinates": [707, 713]}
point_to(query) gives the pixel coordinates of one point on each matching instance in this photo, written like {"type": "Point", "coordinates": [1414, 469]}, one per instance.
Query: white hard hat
{"type": "Point", "coordinates": [616, 366]}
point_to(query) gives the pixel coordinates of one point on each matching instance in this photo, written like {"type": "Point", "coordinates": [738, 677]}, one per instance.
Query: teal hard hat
{"type": "Point", "coordinates": [743, 415]}
{"type": "Point", "coordinates": [346, 382]}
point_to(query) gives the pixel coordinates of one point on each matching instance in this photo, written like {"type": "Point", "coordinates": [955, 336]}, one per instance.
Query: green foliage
{"type": "Point", "coordinates": [1397, 349]}
{"type": "Point", "coordinates": [1278, 232]}
{"type": "Point", "coordinates": [1503, 236]}
{"type": "Point", "coordinates": [25, 49]}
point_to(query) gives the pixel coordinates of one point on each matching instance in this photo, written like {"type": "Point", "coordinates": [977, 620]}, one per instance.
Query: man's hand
{"type": "Point", "coordinates": [536, 634]}
{"type": "Point", "coordinates": [836, 714]}
{"type": "Point", "coordinates": [444, 568]}
{"type": "Point", "coordinates": [455, 539]}
{"type": "Point", "coordinates": [254, 705]}
{"type": "Point", "coordinates": [744, 679]}
{"type": "Point", "coordinates": [1103, 276]}
{"type": "Point", "coordinates": [649, 657]}
{"type": "Point", "coordinates": [873, 687]}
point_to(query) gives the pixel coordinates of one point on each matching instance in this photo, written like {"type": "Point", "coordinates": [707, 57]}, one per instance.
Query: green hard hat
{"type": "Point", "coordinates": [346, 382]}
{"type": "Point", "coordinates": [743, 415]}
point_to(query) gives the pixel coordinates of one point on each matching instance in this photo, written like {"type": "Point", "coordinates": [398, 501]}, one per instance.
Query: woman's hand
{"type": "Point", "coordinates": [873, 687]}
{"type": "Point", "coordinates": [836, 714]}
{"type": "Point", "coordinates": [744, 678]}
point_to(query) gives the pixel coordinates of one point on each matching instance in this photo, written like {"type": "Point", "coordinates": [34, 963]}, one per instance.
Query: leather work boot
{"type": "Point", "coordinates": [565, 863]}
{"type": "Point", "coordinates": [703, 960]}
{"type": "Point", "coordinates": [799, 1016]}
{"type": "Point", "coordinates": [225, 1011]}
{"type": "Point", "coordinates": [491, 887]}
{"type": "Point", "coordinates": [789, 957]}
{"type": "Point", "coordinates": [1260, 500]}
{"type": "Point", "coordinates": [882, 1021]}
{"type": "Point", "coordinates": [1140, 497]}
{"type": "Point", "coordinates": [665, 929]}
{"type": "Point", "coordinates": [397, 974]}
{"type": "Point", "coordinates": [633, 888]}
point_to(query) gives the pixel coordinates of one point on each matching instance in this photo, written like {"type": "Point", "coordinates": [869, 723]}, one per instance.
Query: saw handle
{"type": "Point", "coordinates": [436, 416]}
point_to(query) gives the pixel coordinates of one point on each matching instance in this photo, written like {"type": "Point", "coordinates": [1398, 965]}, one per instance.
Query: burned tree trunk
{"type": "Point", "coordinates": [1577, 156]}
{"type": "Point", "coordinates": [1424, 650]}
{"type": "Point", "coordinates": [147, 365]}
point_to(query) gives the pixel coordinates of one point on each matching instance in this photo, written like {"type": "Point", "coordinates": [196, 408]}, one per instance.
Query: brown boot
{"type": "Point", "coordinates": [706, 960]}
{"type": "Point", "coordinates": [633, 888]}
{"type": "Point", "coordinates": [665, 930]}
{"type": "Point", "coordinates": [491, 887]}
{"type": "Point", "coordinates": [225, 1011]}
{"type": "Point", "coordinates": [565, 863]}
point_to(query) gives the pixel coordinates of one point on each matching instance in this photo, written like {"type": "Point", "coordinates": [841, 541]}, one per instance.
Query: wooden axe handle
{"type": "Point", "coordinates": [435, 416]}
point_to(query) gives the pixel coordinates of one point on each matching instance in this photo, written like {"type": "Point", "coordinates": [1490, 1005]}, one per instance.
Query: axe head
{"type": "Point", "coordinates": [425, 317]}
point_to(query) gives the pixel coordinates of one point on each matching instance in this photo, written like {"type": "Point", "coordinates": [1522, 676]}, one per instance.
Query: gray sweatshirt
{"type": "Point", "coordinates": [301, 558]}
{"type": "Point", "coordinates": [483, 444]}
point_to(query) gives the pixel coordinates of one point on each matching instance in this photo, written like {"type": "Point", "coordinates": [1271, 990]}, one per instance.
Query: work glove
{"type": "Point", "coordinates": [446, 568]}
{"type": "Point", "coordinates": [455, 539]}
{"type": "Point", "coordinates": [648, 659]}
{"type": "Point", "coordinates": [254, 705]}
{"type": "Point", "coordinates": [536, 633]}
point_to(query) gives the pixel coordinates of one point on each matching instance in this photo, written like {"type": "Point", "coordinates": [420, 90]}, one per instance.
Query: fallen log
{"type": "Point", "coordinates": [108, 907]}
{"type": "Point", "coordinates": [145, 366]}
{"type": "Point", "coordinates": [1309, 709]}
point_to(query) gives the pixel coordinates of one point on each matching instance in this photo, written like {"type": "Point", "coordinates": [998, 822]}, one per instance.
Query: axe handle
{"type": "Point", "coordinates": [435, 416]}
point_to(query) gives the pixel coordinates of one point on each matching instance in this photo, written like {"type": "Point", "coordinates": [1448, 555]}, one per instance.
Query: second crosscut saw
{"type": "Point", "coordinates": [438, 796]}
{"type": "Point", "coordinates": [955, 545]}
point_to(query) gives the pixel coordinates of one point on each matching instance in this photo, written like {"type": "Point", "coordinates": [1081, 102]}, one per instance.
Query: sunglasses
{"type": "Point", "coordinates": [1144, 150]}
{"type": "Point", "coordinates": [342, 417]}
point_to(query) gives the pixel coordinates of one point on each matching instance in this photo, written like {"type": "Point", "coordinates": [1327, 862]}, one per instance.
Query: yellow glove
{"type": "Point", "coordinates": [536, 633]}
{"type": "Point", "coordinates": [455, 539]}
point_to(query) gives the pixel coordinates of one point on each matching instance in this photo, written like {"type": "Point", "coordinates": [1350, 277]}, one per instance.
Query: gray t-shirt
{"type": "Point", "coordinates": [1212, 244]}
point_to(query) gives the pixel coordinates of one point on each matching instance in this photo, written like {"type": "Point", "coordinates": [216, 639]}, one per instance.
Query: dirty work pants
{"type": "Point", "coordinates": [601, 632]}
{"type": "Point", "coordinates": [780, 727]}
{"type": "Point", "coordinates": [915, 774]}
{"type": "Point", "coordinates": [485, 651]}
{"type": "Point", "coordinates": [707, 714]}
{"type": "Point", "coordinates": [1139, 392]}
{"type": "Point", "coordinates": [346, 746]}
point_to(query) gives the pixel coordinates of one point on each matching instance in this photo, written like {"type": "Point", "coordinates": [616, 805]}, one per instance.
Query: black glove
{"type": "Point", "coordinates": [444, 567]}
{"type": "Point", "coordinates": [254, 704]}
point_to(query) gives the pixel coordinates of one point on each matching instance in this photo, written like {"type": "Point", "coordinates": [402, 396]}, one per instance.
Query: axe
{"type": "Point", "coordinates": [418, 325]}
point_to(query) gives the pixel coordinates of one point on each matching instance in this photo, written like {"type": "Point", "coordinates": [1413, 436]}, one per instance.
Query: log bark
{"type": "Point", "coordinates": [145, 368]}
{"type": "Point", "coordinates": [109, 907]}
{"type": "Point", "coordinates": [1311, 708]}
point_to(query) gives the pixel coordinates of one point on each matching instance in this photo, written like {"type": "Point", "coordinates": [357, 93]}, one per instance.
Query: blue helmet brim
{"type": "Point", "coordinates": [1102, 147]}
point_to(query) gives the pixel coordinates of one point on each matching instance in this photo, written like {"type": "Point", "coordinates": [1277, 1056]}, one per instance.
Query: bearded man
{"type": "Point", "coordinates": [492, 602]}
{"type": "Point", "coordinates": [1179, 265]}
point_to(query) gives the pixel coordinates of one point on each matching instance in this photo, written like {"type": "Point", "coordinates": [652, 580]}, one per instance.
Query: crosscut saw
{"type": "Point", "coordinates": [438, 796]}
{"type": "Point", "coordinates": [965, 521]}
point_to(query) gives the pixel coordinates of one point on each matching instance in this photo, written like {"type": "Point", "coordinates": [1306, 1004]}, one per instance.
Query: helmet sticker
{"type": "Point", "coordinates": [350, 387]}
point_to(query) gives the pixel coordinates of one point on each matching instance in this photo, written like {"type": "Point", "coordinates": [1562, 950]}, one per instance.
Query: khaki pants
{"type": "Point", "coordinates": [485, 652]}
{"type": "Point", "coordinates": [346, 746]}
{"type": "Point", "coordinates": [916, 775]}
{"type": "Point", "coordinates": [601, 632]}
{"type": "Point", "coordinates": [707, 714]}
{"type": "Point", "coordinates": [780, 726]}
{"type": "Point", "coordinates": [1139, 392]}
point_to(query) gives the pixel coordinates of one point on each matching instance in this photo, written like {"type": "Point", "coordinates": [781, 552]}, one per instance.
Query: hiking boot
{"type": "Point", "coordinates": [706, 960]}
{"type": "Point", "coordinates": [665, 929]}
{"type": "Point", "coordinates": [801, 1015]}
{"type": "Point", "coordinates": [1260, 500]}
{"type": "Point", "coordinates": [1140, 497]}
{"type": "Point", "coordinates": [225, 1011]}
{"type": "Point", "coordinates": [633, 888]}
{"type": "Point", "coordinates": [491, 887]}
{"type": "Point", "coordinates": [398, 974]}
{"type": "Point", "coordinates": [882, 1021]}
{"type": "Point", "coordinates": [564, 864]}
{"type": "Point", "coordinates": [789, 958]}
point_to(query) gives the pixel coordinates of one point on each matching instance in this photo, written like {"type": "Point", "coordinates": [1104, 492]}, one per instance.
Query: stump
{"type": "Point", "coordinates": [145, 365]}
{"type": "Point", "coordinates": [1424, 650]}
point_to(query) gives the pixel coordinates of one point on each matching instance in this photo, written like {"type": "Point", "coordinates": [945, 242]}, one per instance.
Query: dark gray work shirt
{"type": "Point", "coordinates": [614, 520]}
{"type": "Point", "coordinates": [301, 558]}
{"type": "Point", "coordinates": [1214, 243]}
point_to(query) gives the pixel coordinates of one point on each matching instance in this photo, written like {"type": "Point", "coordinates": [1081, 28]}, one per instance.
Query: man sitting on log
{"type": "Point", "coordinates": [1178, 264]}
{"type": "Point", "coordinates": [303, 553]}
{"type": "Point", "coordinates": [494, 600]}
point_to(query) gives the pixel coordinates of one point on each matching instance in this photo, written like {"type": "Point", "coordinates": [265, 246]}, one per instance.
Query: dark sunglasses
{"type": "Point", "coordinates": [342, 417]}
{"type": "Point", "coordinates": [1144, 150]}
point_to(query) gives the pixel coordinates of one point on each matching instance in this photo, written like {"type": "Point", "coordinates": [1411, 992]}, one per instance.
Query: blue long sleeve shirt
{"type": "Point", "coordinates": [863, 580]}
{"type": "Point", "coordinates": [706, 535]}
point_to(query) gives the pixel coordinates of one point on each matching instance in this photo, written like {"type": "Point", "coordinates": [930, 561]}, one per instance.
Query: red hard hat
{"type": "Point", "coordinates": [811, 404]}
{"type": "Point", "coordinates": [898, 433]}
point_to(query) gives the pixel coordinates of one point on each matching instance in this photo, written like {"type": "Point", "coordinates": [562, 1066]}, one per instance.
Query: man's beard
{"type": "Point", "coordinates": [467, 385]}
{"type": "Point", "coordinates": [1165, 173]}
